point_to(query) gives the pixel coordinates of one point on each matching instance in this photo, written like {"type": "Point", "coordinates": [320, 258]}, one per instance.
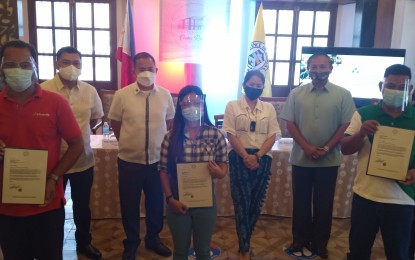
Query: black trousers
{"type": "Point", "coordinates": [394, 221]}
{"type": "Point", "coordinates": [81, 183]}
{"type": "Point", "coordinates": [133, 178]}
{"type": "Point", "coordinates": [313, 195]}
{"type": "Point", "coordinates": [412, 242]}
{"type": "Point", "coordinates": [39, 236]}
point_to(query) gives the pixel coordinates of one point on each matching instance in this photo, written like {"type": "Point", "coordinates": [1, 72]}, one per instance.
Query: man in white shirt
{"type": "Point", "coordinates": [87, 108]}
{"type": "Point", "coordinates": [140, 115]}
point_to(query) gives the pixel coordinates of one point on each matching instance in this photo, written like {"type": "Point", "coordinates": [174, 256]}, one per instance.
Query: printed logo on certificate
{"type": "Point", "coordinates": [390, 153]}
{"type": "Point", "coordinates": [195, 184]}
{"type": "Point", "coordinates": [24, 176]}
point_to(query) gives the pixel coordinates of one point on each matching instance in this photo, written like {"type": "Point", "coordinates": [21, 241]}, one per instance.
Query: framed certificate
{"type": "Point", "coordinates": [195, 184]}
{"type": "Point", "coordinates": [24, 176]}
{"type": "Point", "coordinates": [390, 153]}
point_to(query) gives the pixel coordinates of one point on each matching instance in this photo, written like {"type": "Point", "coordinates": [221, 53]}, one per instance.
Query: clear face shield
{"type": "Point", "coordinates": [193, 108]}
{"type": "Point", "coordinates": [405, 100]}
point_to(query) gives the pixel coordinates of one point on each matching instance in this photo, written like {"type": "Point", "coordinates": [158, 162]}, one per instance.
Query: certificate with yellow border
{"type": "Point", "coordinates": [195, 184]}
{"type": "Point", "coordinates": [24, 176]}
{"type": "Point", "coordinates": [390, 153]}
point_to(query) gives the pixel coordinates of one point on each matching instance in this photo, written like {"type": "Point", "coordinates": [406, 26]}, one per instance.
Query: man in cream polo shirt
{"type": "Point", "coordinates": [140, 115]}
{"type": "Point", "coordinates": [87, 109]}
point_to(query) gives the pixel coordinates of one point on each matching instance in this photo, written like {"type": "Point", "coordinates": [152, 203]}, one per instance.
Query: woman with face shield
{"type": "Point", "coordinates": [252, 128]}
{"type": "Point", "coordinates": [193, 139]}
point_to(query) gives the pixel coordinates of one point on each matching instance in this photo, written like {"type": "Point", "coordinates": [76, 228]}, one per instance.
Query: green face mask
{"type": "Point", "coordinates": [18, 79]}
{"type": "Point", "coordinates": [392, 97]}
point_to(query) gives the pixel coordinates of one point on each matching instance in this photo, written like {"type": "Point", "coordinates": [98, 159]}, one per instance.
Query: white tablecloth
{"type": "Point", "coordinates": [105, 198]}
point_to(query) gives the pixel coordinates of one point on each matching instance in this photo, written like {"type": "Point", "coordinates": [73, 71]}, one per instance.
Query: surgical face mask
{"type": "Point", "coordinates": [319, 76]}
{"type": "Point", "coordinates": [192, 114]}
{"type": "Point", "coordinates": [70, 72]}
{"type": "Point", "coordinates": [392, 97]}
{"type": "Point", "coordinates": [253, 93]}
{"type": "Point", "coordinates": [146, 78]}
{"type": "Point", "coordinates": [18, 79]}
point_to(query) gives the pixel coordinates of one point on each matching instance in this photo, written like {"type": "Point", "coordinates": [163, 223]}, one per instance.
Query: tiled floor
{"type": "Point", "coordinates": [269, 237]}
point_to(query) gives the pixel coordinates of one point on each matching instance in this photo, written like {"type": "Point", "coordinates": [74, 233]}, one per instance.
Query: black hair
{"type": "Point", "coordinates": [176, 140]}
{"type": "Point", "coordinates": [67, 49]}
{"type": "Point", "coordinates": [252, 73]}
{"type": "Point", "coordinates": [18, 44]}
{"type": "Point", "coordinates": [143, 55]}
{"type": "Point", "coordinates": [320, 54]}
{"type": "Point", "coordinates": [398, 69]}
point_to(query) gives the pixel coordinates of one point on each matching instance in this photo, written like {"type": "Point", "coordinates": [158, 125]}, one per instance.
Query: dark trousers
{"type": "Point", "coordinates": [39, 236]}
{"type": "Point", "coordinates": [81, 183]}
{"type": "Point", "coordinates": [313, 195]}
{"type": "Point", "coordinates": [132, 179]}
{"type": "Point", "coordinates": [394, 222]}
{"type": "Point", "coordinates": [412, 242]}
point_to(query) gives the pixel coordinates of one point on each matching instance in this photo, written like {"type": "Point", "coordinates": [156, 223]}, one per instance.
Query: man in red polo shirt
{"type": "Point", "coordinates": [32, 118]}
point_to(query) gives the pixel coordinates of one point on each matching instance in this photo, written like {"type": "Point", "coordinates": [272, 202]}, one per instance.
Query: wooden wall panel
{"type": "Point", "coordinates": [384, 23]}
{"type": "Point", "coordinates": [8, 21]}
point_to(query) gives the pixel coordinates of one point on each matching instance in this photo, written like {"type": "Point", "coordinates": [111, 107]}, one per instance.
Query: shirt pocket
{"type": "Point", "coordinates": [242, 123]}
{"type": "Point", "coordinates": [263, 125]}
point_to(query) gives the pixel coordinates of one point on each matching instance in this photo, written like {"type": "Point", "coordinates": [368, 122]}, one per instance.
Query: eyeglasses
{"type": "Point", "coordinates": [24, 65]}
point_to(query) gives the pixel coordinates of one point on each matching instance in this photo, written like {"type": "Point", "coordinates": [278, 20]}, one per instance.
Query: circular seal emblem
{"type": "Point", "coordinates": [257, 57]}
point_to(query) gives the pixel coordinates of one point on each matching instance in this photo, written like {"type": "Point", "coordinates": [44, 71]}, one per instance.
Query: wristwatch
{"type": "Point", "coordinates": [326, 149]}
{"type": "Point", "coordinates": [54, 177]}
{"type": "Point", "coordinates": [257, 157]}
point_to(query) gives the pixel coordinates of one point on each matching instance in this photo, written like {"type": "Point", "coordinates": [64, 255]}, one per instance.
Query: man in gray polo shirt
{"type": "Point", "coordinates": [317, 115]}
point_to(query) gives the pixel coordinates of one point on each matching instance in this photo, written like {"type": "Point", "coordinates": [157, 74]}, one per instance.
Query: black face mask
{"type": "Point", "coordinates": [319, 76]}
{"type": "Point", "coordinates": [253, 93]}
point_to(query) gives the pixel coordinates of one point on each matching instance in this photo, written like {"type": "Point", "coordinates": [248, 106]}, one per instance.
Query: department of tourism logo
{"type": "Point", "coordinates": [257, 58]}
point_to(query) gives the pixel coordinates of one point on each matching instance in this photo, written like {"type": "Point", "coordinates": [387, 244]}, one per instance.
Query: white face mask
{"type": "Point", "coordinates": [18, 79]}
{"type": "Point", "coordinates": [70, 72]}
{"type": "Point", "coordinates": [146, 78]}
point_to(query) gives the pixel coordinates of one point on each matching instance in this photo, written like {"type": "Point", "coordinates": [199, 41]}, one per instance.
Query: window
{"type": "Point", "coordinates": [289, 27]}
{"type": "Point", "coordinates": [87, 25]}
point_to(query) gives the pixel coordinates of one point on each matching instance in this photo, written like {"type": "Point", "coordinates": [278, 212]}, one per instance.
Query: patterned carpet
{"type": "Point", "coordinates": [269, 237]}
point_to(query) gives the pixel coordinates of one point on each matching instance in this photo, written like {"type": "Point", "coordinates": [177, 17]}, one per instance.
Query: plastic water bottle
{"type": "Point", "coordinates": [106, 130]}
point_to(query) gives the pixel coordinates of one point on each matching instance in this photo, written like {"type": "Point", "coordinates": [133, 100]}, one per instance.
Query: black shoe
{"type": "Point", "coordinates": [89, 251]}
{"type": "Point", "coordinates": [294, 247]}
{"type": "Point", "coordinates": [322, 252]}
{"type": "Point", "coordinates": [160, 249]}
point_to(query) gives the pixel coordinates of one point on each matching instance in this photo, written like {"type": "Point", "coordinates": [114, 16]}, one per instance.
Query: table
{"type": "Point", "coordinates": [105, 199]}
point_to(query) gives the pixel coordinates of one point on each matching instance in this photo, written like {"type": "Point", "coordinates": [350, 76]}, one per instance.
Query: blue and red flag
{"type": "Point", "coordinates": [126, 49]}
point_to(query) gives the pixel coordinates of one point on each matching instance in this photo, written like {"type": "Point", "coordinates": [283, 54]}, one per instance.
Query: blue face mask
{"type": "Point", "coordinates": [392, 97]}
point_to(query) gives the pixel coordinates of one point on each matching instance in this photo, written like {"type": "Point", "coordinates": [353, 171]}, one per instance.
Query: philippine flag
{"type": "Point", "coordinates": [126, 50]}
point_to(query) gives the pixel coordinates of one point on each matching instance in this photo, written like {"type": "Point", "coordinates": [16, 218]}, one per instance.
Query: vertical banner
{"type": "Point", "coordinates": [126, 49]}
{"type": "Point", "coordinates": [257, 55]}
{"type": "Point", "coordinates": [188, 26]}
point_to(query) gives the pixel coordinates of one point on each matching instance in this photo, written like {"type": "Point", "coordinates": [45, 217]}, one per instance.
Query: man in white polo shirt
{"type": "Point", "coordinates": [140, 114]}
